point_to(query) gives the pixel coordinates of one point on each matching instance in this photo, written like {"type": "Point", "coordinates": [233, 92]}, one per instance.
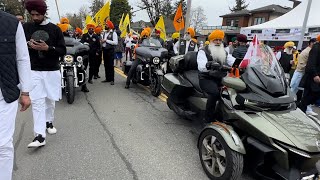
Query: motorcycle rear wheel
{"type": "Point", "coordinates": [70, 90]}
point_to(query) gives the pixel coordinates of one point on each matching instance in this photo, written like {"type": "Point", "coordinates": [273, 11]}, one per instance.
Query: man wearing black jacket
{"type": "Point", "coordinates": [46, 44]}
{"type": "Point", "coordinates": [312, 86]}
{"type": "Point", "coordinates": [94, 43]}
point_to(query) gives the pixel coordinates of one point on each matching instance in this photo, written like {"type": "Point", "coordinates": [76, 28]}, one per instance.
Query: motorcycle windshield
{"type": "Point", "coordinates": [263, 69]}
{"type": "Point", "coordinates": [151, 42]}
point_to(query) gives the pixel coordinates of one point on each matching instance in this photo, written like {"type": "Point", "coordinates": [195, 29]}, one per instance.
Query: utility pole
{"type": "Point", "coordinates": [187, 23]}
{"type": "Point", "coordinates": [304, 26]}
{"type": "Point", "coordinates": [58, 9]}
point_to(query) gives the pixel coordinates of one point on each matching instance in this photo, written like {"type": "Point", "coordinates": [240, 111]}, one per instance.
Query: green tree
{"type": "Point", "coordinates": [240, 5]}
{"type": "Point", "coordinates": [96, 5]}
{"type": "Point", "coordinates": [117, 8]}
{"type": "Point", "coordinates": [13, 7]}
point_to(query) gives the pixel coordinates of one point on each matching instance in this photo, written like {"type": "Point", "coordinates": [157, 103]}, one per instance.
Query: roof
{"type": "Point", "coordinates": [271, 8]}
{"type": "Point", "coordinates": [244, 12]}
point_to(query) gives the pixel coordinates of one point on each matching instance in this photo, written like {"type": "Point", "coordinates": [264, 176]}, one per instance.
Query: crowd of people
{"type": "Point", "coordinates": [29, 67]}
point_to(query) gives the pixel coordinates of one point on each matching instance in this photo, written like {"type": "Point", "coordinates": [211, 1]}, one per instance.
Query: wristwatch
{"type": "Point", "coordinates": [24, 93]}
{"type": "Point", "coordinates": [52, 48]}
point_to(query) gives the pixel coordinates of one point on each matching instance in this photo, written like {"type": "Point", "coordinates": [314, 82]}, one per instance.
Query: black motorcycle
{"type": "Point", "coordinates": [149, 72]}
{"type": "Point", "coordinates": [71, 67]}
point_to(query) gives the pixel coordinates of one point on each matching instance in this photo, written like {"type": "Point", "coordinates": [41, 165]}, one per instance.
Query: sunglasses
{"type": "Point", "coordinates": [90, 29]}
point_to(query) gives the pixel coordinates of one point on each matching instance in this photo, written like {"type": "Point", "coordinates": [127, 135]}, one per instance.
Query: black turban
{"type": "Point", "coordinates": [38, 5]}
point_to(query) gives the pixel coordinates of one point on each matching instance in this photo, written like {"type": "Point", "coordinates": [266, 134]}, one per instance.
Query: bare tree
{"type": "Point", "coordinates": [198, 18]}
{"type": "Point", "coordinates": [153, 8]}
{"type": "Point", "coordinates": [77, 19]}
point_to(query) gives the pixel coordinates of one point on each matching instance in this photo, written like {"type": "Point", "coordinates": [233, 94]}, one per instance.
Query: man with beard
{"type": "Point", "coordinates": [312, 72]}
{"type": "Point", "coordinates": [94, 44]}
{"type": "Point", "coordinates": [186, 45]}
{"type": "Point", "coordinates": [232, 46]}
{"type": "Point", "coordinates": [169, 45]}
{"type": "Point", "coordinates": [109, 41]}
{"type": "Point", "coordinates": [286, 57]}
{"type": "Point", "coordinates": [145, 34]}
{"type": "Point", "coordinates": [78, 34]}
{"type": "Point", "coordinates": [46, 44]}
{"type": "Point", "coordinates": [241, 50]}
{"type": "Point", "coordinates": [14, 69]}
{"type": "Point", "coordinates": [158, 32]}
{"type": "Point", "coordinates": [210, 80]}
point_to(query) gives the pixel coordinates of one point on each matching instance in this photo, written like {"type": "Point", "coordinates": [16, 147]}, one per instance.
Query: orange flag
{"type": "Point", "coordinates": [178, 21]}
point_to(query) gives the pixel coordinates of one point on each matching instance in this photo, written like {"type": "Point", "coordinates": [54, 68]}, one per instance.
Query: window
{"type": "Point", "coordinates": [259, 20]}
{"type": "Point", "coordinates": [232, 22]}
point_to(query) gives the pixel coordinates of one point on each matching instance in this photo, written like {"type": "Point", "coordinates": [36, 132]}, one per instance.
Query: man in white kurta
{"type": "Point", "coordinates": [46, 45]}
{"type": "Point", "coordinates": [8, 111]}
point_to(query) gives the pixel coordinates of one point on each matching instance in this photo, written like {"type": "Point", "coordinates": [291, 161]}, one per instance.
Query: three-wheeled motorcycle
{"type": "Point", "coordinates": [258, 124]}
{"type": "Point", "coordinates": [71, 67]}
{"type": "Point", "coordinates": [149, 72]}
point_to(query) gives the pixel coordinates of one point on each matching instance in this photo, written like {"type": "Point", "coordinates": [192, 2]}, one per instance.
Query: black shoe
{"type": "Point", "coordinates": [95, 77]}
{"type": "Point", "coordinates": [105, 81]}
{"type": "Point", "coordinates": [90, 81]}
{"type": "Point", "coordinates": [84, 88]}
{"type": "Point", "coordinates": [38, 141]}
{"type": "Point", "coordinates": [112, 83]}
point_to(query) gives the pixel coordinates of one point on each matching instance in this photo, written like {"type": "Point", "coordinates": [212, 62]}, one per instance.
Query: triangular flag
{"type": "Point", "coordinates": [125, 24]}
{"type": "Point", "coordinates": [103, 14]}
{"type": "Point", "coordinates": [178, 21]}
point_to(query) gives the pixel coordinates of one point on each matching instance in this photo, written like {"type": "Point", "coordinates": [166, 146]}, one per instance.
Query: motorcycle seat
{"type": "Point", "coordinates": [193, 77]}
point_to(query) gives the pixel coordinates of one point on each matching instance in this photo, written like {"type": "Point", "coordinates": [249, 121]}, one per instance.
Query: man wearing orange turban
{"type": "Point", "coordinates": [109, 41]}
{"type": "Point", "coordinates": [210, 79]}
{"type": "Point", "coordinates": [78, 33]}
{"type": "Point", "coordinates": [94, 43]}
{"type": "Point", "coordinates": [286, 57]}
{"type": "Point", "coordinates": [46, 45]}
{"type": "Point", "coordinates": [187, 44]}
{"type": "Point", "coordinates": [98, 31]}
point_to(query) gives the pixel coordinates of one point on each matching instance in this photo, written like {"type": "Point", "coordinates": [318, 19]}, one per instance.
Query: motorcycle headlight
{"type": "Point", "coordinates": [68, 59]}
{"type": "Point", "coordinates": [79, 59]}
{"type": "Point", "coordinates": [156, 60]}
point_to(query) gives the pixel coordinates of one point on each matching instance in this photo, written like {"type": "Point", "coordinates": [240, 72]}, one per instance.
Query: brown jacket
{"type": "Point", "coordinates": [303, 59]}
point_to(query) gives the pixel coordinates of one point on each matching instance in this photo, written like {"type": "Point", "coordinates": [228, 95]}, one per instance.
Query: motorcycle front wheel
{"type": "Point", "coordinates": [155, 85]}
{"type": "Point", "coordinates": [70, 90]}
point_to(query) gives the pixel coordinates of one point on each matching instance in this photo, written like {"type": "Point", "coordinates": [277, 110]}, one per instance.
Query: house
{"type": "Point", "coordinates": [232, 22]}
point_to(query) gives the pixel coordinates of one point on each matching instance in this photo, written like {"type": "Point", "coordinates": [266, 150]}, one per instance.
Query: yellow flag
{"type": "Point", "coordinates": [125, 25]}
{"type": "Point", "coordinates": [160, 26]}
{"type": "Point", "coordinates": [103, 14]}
{"type": "Point", "coordinates": [88, 20]}
{"type": "Point", "coordinates": [121, 21]}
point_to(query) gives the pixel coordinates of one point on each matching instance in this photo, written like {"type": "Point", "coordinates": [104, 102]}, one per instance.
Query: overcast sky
{"type": "Point", "coordinates": [212, 8]}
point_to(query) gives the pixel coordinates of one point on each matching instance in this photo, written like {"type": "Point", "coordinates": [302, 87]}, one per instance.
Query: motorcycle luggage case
{"type": "Point", "coordinates": [126, 66]}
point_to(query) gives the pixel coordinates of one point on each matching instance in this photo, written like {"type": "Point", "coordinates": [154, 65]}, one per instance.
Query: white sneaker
{"type": "Point", "coordinates": [312, 113]}
{"type": "Point", "coordinates": [37, 142]}
{"type": "Point", "coordinates": [50, 128]}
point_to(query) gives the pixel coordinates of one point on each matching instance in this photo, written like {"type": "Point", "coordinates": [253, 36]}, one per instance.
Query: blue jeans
{"type": "Point", "coordinates": [295, 81]}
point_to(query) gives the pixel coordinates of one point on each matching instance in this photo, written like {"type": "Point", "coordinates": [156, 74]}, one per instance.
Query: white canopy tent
{"type": "Point", "coordinates": [288, 26]}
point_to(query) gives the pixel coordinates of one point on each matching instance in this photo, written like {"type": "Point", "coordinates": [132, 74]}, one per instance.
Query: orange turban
{"type": "Point", "coordinates": [79, 31]}
{"type": "Point", "coordinates": [98, 30]}
{"type": "Point", "coordinates": [63, 27]}
{"type": "Point", "coordinates": [191, 31]}
{"type": "Point", "coordinates": [145, 32]}
{"type": "Point", "coordinates": [110, 24]}
{"type": "Point", "coordinates": [148, 29]}
{"type": "Point", "coordinates": [89, 26]}
{"type": "Point", "coordinates": [318, 38]}
{"type": "Point", "coordinates": [64, 20]}
{"type": "Point", "coordinates": [216, 34]}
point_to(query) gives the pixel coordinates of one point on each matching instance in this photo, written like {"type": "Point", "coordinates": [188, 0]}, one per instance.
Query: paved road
{"type": "Point", "coordinates": [110, 133]}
